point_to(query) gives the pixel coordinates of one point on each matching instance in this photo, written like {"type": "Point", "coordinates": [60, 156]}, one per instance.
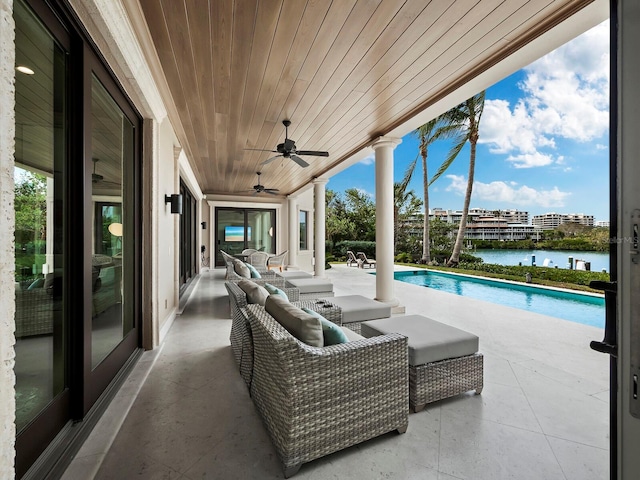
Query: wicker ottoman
{"type": "Point", "coordinates": [443, 360]}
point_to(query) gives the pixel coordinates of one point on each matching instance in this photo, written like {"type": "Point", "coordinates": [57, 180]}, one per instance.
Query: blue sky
{"type": "Point", "coordinates": [543, 143]}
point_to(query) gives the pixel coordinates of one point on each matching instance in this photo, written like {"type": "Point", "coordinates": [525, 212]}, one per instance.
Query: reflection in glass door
{"type": "Point", "coordinates": [40, 154]}
{"type": "Point", "coordinates": [112, 144]}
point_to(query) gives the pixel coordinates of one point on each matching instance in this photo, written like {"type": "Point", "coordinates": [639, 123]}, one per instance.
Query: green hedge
{"type": "Point", "coordinates": [578, 277]}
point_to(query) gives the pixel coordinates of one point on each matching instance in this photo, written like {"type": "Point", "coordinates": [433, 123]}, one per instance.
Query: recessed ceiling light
{"type": "Point", "coordinates": [23, 69]}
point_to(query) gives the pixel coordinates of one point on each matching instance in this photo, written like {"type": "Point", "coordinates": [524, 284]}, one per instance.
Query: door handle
{"type": "Point", "coordinates": [609, 343]}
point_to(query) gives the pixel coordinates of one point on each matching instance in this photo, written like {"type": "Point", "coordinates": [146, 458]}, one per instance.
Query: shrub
{"type": "Point", "coordinates": [578, 277]}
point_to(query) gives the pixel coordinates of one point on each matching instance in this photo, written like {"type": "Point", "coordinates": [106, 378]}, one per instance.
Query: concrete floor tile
{"type": "Point", "coordinates": [475, 449]}
{"type": "Point", "coordinates": [193, 417]}
{"type": "Point", "coordinates": [580, 462]}
{"type": "Point", "coordinates": [563, 411]}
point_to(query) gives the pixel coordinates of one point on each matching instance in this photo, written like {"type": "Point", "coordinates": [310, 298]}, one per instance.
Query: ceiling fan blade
{"type": "Point", "coordinates": [299, 161]}
{"type": "Point", "coordinates": [269, 160]}
{"type": "Point", "coordinates": [261, 150]}
{"type": "Point", "coordinates": [314, 153]}
{"type": "Point", "coordinates": [271, 190]}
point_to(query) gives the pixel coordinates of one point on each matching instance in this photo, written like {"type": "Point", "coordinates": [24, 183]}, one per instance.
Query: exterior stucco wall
{"type": "Point", "coordinates": [304, 259]}
{"type": "Point", "coordinates": [7, 264]}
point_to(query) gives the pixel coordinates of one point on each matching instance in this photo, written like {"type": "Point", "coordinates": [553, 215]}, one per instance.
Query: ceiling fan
{"type": "Point", "coordinates": [261, 188]}
{"type": "Point", "coordinates": [97, 178]}
{"type": "Point", "coordinates": [288, 149]}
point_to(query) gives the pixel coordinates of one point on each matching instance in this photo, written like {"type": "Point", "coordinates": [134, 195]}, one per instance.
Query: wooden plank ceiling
{"type": "Point", "coordinates": [343, 72]}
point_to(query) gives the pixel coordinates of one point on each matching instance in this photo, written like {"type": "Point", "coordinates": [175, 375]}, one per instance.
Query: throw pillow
{"type": "Point", "coordinates": [254, 273]}
{"type": "Point", "coordinates": [255, 293]}
{"type": "Point", "coordinates": [276, 291]}
{"type": "Point", "coordinates": [298, 323]}
{"type": "Point", "coordinates": [241, 269]}
{"type": "Point", "coordinates": [332, 333]}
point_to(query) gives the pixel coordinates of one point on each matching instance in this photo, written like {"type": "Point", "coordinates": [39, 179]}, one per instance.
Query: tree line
{"type": "Point", "coordinates": [351, 217]}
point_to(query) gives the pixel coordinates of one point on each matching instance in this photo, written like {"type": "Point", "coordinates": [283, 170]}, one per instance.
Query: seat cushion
{"type": "Point", "coordinates": [294, 274]}
{"type": "Point", "coordinates": [311, 285]}
{"type": "Point", "coordinates": [305, 327]}
{"type": "Point", "coordinates": [356, 308]}
{"type": "Point", "coordinates": [255, 293]}
{"type": "Point", "coordinates": [351, 335]}
{"type": "Point", "coordinates": [429, 340]}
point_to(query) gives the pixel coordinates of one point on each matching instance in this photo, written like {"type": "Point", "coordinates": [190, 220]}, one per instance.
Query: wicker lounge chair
{"type": "Point", "coordinates": [277, 261]}
{"type": "Point", "coordinates": [240, 337]}
{"type": "Point", "coordinates": [259, 260]}
{"type": "Point", "coordinates": [309, 412]}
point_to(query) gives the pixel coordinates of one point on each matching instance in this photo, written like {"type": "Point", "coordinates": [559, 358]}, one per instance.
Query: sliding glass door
{"type": "Point", "coordinates": [240, 228]}
{"type": "Point", "coordinates": [77, 204]}
{"type": "Point", "coordinates": [41, 349]}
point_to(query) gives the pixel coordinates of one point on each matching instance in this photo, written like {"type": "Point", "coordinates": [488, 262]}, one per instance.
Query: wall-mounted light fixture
{"type": "Point", "coordinates": [176, 203]}
{"type": "Point", "coordinates": [204, 225]}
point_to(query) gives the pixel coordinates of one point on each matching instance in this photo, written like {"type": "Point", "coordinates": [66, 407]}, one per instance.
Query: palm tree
{"type": "Point", "coordinates": [426, 134]}
{"type": "Point", "coordinates": [401, 196]}
{"type": "Point", "coordinates": [462, 124]}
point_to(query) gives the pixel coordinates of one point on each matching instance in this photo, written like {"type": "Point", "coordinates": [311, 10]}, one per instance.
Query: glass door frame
{"type": "Point", "coordinates": [96, 380]}
{"type": "Point", "coordinates": [32, 440]}
{"type": "Point", "coordinates": [218, 262]}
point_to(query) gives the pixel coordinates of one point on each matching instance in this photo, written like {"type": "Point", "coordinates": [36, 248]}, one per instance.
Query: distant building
{"type": "Point", "coordinates": [454, 216]}
{"type": "Point", "coordinates": [603, 223]}
{"type": "Point", "coordinates": [498, 229]}
{"type": "Point", "coordinates": [549, 221]}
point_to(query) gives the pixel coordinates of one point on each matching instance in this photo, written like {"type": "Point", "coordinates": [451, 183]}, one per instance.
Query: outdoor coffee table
{"type": "Point", "coordinates": [443, 360]}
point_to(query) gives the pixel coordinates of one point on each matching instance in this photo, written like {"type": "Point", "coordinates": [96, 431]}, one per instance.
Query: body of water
{"type": "Point", "coordinates": [575, 307]}
{"type": "Point", "coordinates": [560, 258]}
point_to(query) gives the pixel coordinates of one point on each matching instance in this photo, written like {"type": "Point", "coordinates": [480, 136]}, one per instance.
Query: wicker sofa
{"type": "Point", "coordinates": [318, 400]}
{"type": "Point", "coordinates": [240, 336]}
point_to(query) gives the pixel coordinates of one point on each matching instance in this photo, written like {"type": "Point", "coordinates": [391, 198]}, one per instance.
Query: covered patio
{"type": "Point", "coordinates": [185, 412]}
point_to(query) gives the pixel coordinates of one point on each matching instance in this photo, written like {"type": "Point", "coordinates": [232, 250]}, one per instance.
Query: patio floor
{"type": "Point", "coordinates": [185, 413]}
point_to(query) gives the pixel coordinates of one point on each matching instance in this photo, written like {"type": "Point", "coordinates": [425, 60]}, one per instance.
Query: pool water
{"type": "Point", "coordinates": [576, 307]}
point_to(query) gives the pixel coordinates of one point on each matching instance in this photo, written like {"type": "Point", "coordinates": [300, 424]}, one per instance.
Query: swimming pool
{"type": "Point", "coordinates": [576, 307]}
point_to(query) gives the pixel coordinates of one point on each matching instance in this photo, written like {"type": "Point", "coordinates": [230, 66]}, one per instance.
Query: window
{"type": "Point", "coordinates": [304, 230]}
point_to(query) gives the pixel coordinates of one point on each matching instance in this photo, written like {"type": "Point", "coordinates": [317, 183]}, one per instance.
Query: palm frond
{"type": "Point", "coordinates": [453, 153]}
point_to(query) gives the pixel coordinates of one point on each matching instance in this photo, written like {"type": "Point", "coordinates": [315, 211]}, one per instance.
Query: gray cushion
{"type": "Point", "coordinates": [356, 308]}
{"type": "Point", "coordinates": [255, 293]}
{"type": "Point", "coordinates": [306, 328]}
{"type": "Point", "coordinates": [351, 335]}
{"type": "Point", "coordinates": [294, 274]}
{"type": "Point", "coordinates": [311, 285]}
{"type": "Point", "coordinates": [429, 341]}
{"type": "Point", "coordinates": [241, 269]}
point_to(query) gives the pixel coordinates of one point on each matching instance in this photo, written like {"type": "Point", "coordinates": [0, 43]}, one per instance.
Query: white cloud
{"type": "Point", "coordinates": [566, 95]}
{"type": "Point", "coordinates": [363, 192]}
{"type": "Point", "coordinates": [507, 193]}
{"type": "Point", "coordinates": [529, 160]}
{"type": "Point", "coordinates": [369, 159]}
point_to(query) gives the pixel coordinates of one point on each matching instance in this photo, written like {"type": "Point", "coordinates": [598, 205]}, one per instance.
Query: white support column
{"type": "Point", "coordinates": [319, 224]}
{"type": "Point", "coordinates": [384, 147]}
{"type": "Point", "coordinates": [293, 232]}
